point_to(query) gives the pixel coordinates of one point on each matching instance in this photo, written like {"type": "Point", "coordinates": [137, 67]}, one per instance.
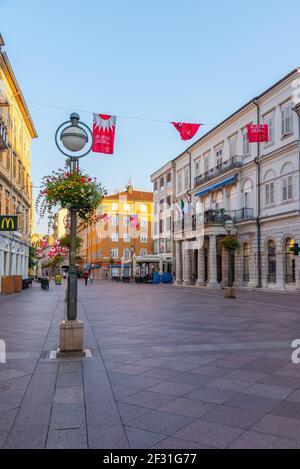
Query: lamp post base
{"type": "Point", "coordinates": [71, 338]}
{"type": "Point", "coordinates": [229, 292]}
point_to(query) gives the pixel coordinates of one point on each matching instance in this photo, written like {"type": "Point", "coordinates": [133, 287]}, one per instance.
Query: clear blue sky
{"type": "Point", "coordinates": [187, 60]}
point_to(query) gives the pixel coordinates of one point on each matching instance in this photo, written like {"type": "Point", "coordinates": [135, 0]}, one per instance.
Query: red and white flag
{"type": "Point", "coordinates": [133, 221]}
{"type": "Point", "coordinates": [104, 128]}
{"type": "Point", "coordinates": [187, 131]}
{"type": "Point", "coordinates": [258, 133]}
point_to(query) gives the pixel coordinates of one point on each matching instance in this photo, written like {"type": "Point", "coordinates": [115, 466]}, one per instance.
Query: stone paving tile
{"type": "Point", "coordinates": [19, 383]}
{"type": "Point", "coordinates": [294, 396]}
{"type": "Point", "coordinates": [142, 439]}
{"type": "Point", "coordinates": [102, 415]}
{"type": "Point", "coordinates": [139, 382]}
{"type": "Point", "coordinates": [149, 399]}
{"type": "Point", "coordinates": [70, 379]}
{"type": "Point", "coordinates": [45, 368]}
{"type": "Point", "coordinates": [68, 395]}
{"type": "Point", "coordinates": [98, 393]}
{"type": "Point", "coordinates": [13, 398]}
{"type": "Point", "coordinates": [208, 394]}
{"type": "Point", "coordinates": [279, 426]}
{"type": "Point", "coordinates": [159, 421]}
{"type": "Point", "coordinates": [3, 436]}
{"type": "Point", "coordinates": [175, 443]}
{"type": "Point", "coordinates": [256, 440]}
{"type": "Point", "coordinates": [172, 388]}
{"type": "Point", "coordinates": [107, 437]}
{"type": "Point", "coordinates": [287, 409]}
{"type": "Point", "coordinates": [4, 407]}
{"type": "Point", "coordinates": [40, 389]}
{"type": "Point", "coordinates": [252, 402]}
{"type": "Point", "coordinates": [229, 384]}
{"type": "Point", "coordinates": [70, 367]}
{"type": "Point", "coordinates": [67, 439]}
{"type": "Point", "coordinates": [132, 369]}
{"type": "Point", "coordinates": [209, 433]}
{"type": "Point", "coordinates": [194, 379]}
{"type": "Point", "coordinates": [10, 373]}
{"type": "Point", "coordinates": [65, 416]}
{"type": "Point", "coordinates": [161, 373]}
{"type": "Point", "coordinates": [246, 376]}
{"type": "Point", "coordinates": [7, 419]}
{"type": "Point", "coordinates": [129, 412]}
{"type": "Point", "coordinates": [233, 417]}
{"type": "Point", "coordinates": [188, 407]}
{"type": "Point", "coordinates": [121, 392]}
{"type": "Point", "coordinates": [211, 370]}
{"type": "Point", "coordinates": [269, 390]}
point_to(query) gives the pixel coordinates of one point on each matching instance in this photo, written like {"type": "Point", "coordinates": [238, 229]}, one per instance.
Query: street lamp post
{"type": "Point", "coordinates": [229, 226]}
{"type": "Point", "coordinates": [131, 249]}
{"type": "Point", "coordinates": [74, 139]}
{"type": "Point", "coordinates": [296, 108]}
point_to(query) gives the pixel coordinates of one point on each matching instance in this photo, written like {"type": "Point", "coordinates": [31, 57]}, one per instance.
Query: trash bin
{"type": "Point", "coordinates": [17, 283]}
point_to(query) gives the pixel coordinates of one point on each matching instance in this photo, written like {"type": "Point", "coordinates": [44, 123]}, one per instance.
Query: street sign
{"type": "Point", "coordinates": [8, 223]}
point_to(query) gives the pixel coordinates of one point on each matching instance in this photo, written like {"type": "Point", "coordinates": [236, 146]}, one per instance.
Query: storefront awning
{"type": "Point", "coordinates": [215, 186]}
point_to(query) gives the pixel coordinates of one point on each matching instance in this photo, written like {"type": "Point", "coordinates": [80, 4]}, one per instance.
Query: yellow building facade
{"type": "Point", "coordinates": [16, 132]}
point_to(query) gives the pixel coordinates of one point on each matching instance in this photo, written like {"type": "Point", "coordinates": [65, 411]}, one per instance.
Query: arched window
{"type": "Point", "coordinates": [290, 276]}
{"type": "Point", "coordinates": [219, 200]}
{"type": "Point", "coordinates": [206, 203]}
{"type": "Point", "coordinates": [271, 262]}
{"type": "Point", "coordinates": [246, 254]}
{"type": "Point", "coordinates": [269, 183]}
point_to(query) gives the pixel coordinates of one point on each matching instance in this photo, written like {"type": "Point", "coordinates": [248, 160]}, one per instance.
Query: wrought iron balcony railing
{"type": "Point", "coordinates": [221, 215]}
{"type": "Point", "coordinates": [233, 162]}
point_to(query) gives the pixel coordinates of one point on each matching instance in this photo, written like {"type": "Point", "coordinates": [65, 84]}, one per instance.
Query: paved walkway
{"type": "Point", "coordinates": [172, 367]}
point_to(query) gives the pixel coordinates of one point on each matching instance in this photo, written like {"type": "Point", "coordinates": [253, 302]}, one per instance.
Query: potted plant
{"type": "Point", "coordinates": [67, 189]}
{"type": "Point", "coordinates": [232, 244]}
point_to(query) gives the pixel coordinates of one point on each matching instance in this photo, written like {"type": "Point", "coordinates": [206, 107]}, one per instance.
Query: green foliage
{"type": "Point", "coordinates": [67, 189]}
{"type": "Point", "coordinates": [66, 242]}
{"type": "Point", "coordinates": [33, 257]}
{"type": "Point", "coordinates": [230, 242]}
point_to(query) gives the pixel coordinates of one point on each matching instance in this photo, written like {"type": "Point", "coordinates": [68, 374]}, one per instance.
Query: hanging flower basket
{"type": "Point", "coordinates": [230, 242]}
{"type": "Point", "coordinates": [70, 190]}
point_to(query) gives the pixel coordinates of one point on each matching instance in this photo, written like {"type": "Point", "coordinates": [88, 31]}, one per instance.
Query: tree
{"type": "Point", "coordinates": [33, 257]}
{"type": "Point", "coordinates": [66, 242]}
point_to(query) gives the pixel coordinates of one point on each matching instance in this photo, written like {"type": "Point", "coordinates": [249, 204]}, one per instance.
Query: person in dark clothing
{"type": "Point", "coordinates": [86, 276]}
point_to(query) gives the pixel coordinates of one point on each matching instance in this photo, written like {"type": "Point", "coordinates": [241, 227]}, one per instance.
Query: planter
{"type": "Point", "coordinates": [229, 292]}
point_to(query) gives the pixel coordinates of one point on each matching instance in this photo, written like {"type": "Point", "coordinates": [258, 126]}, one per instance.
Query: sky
{"type": "Point", "coordinates": [163, 60]}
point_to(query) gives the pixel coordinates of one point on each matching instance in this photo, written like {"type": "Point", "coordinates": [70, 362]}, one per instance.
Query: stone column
{"type": "Point", "coordinates": [194, 256]}
{"type": "Point", "coordinates": [252, 264]}
{"type": "Point", "coordinates": [280, 271]}
{"type": "Point", "coordinates": [297, 271]}
{"type": "Point", "coordinates": [238, 267]}
{"type": "Point", "coordinates": [178, 262]}
{"type": "Point", "coordinates": [225, 198]}
{"type": "Point", "coordinates": [187, 262]}
{"type": "Point", "coordinates": [212, 259]}
{"type": "Point", "coordinates": [201, 267]}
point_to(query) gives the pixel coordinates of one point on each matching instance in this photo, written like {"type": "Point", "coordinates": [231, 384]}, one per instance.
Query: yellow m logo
{"type": "Point", "coordinates": [8, 223]}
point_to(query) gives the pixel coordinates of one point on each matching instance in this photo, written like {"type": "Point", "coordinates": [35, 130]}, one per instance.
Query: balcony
{"type": "Point", "coordinates": [233, 162]}
{"type": "Point", "coordinates": [3, 135]}
{"type": "Point", "coordinates": [217, 217]}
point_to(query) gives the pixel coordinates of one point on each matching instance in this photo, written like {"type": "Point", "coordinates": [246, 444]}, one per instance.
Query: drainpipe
{"type": "Point", "coordinates": [258, 227]}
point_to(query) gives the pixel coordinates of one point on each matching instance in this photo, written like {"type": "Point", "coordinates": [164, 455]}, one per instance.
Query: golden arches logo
{"type": "Point", "coordinates": [8, 223]}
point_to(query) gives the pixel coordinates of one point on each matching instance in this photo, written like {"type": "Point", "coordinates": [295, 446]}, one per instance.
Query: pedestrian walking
{"type": "Point", "coordinates": [86, 277]}
{"type": "Point", "coordinates": [91, 277]}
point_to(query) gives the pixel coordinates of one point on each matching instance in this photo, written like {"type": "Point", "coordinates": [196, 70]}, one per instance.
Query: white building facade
{"type": "Point", "coordinates": [224, 177]}
{"type": "Point", "coordinates": [163, 182]}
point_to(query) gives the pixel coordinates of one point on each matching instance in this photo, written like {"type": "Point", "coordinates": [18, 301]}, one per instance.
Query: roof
{"type": "Point", "coordinates": [257, 98]}
{"type": "Point", "coordinates": [134, 196]}
{"type": "Point", "coordinates": [18, 94]}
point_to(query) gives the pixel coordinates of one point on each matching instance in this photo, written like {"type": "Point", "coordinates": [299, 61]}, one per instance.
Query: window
{"type": "Point", "coordinates": [186, 177]}
{"type": "Point", "coordinates": [155, 186]}
{"type": "Point", "coordinates": [168, 224]}
{"type": "Point", "coordinates": [197, 167]}
{"type": "Point", "coordinates": [161, 226]}
{"type": "Point", "coordinates": [233, 146]}
{"type": "Point", "coordinates": [219, 200]}
{"type": "Point", "coordinates": [114, 253]}
{"type": "Point", "coordinates": [269, 193]}
{"type": "Point", "coordinates": [287, 188]}
{"type": "Point", "coordinates": [248, 194]}
{"type": "Point", "coordinates": [19, 171]}
{"type": "Point", "coordinates": [161, 205]}
{"type": "Point", "coordinates": [143, 222]}
{"type": "Point", "coordinates": [155, 227]}
{"type": "Point", "coordinates": [246, 144]}
{"type": "Point", "coordinates": [126, 253]}
{"type": "Point", "coordinates": [143, 252]}
{"type": "Point", "coordinates": [144, 208]}
{"type": "Point", "coordinates": [179, 181]}
{"type": "Point", "coordinates": [162, 245]}
{"type": "Point", "coordinates": [269, 120]}
{"type": "Point", "coordinates": [1, 194]}
{"type": "Point", "coordinates": [271, 262]}
{"type": "Point", "coordinates": [161, 182]}
{"type": "Point", "coordinates": [156, 246]}
{"type": "Point", "coordinates": [143, 238]}
{"type": "Point", "coordinates": [126, 221]}
{"type": "Point", "coordinates": [206, 163]}
{"type": "Point", "coordinates": [290, 274]}
{"type": "Point", "coordinates": [15, 167]}
{"type": "Point", "coordinates": [126, 237]}
{"type": "Point", "coordinates": [219, 156]}
{"type": "Point", "coordinates": [168, 178]}
{"type": "Point", "coordinates": [126, 207]}
{"type": "Point", "coordinates": [14, 205]}
{"type": "Point", "coordinates": [114, 237]}
{"type": "Point", "coordinates": [7, 204]}
{"type": "Point", "coordinates": [246, 262]}
{"type": "Point", "coordinates": [168, 245]}
{"type": "Point", "coordinates": [114, 220]}
{"type": "Point", "coordinates": [168, 201]}
{"type": "Point", "coordinates": [286, 119]}
{"type": "Point", "coordinates": [114, 206]}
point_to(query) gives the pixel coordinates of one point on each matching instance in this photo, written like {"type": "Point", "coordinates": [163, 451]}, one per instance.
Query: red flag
{"type": "Point", "coordinates": [258, 133]}
{"type": "Point", "coordinates": [133, 221]}
{"type": "Point", "coordinates": [187, 131]}
{"type": "Point", "coordinates": [104, 133]}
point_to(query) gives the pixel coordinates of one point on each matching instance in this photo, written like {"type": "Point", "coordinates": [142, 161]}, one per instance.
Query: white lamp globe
{"type": "Point", "coordinates": [74, 138]}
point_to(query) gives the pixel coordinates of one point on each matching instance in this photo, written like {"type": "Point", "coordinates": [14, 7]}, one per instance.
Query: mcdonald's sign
{"type": "Point", "coordinates": [8, 223]}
